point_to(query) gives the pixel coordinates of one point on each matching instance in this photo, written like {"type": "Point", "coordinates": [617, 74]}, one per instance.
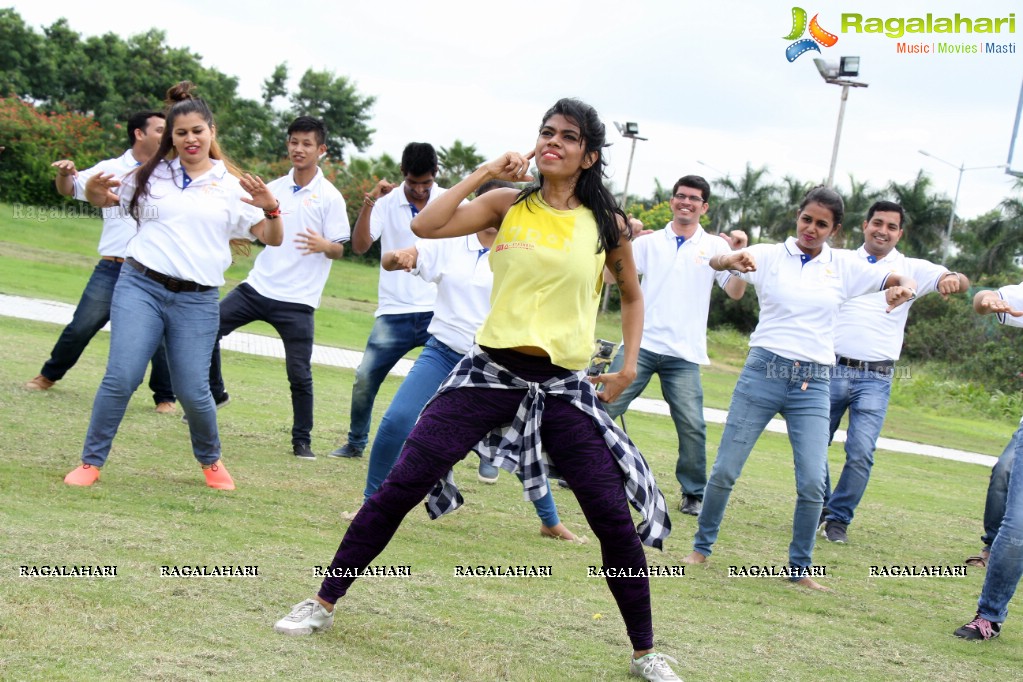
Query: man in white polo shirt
{"type": "Point", "coordinates": [677, 283]}
{"type": "Point", "coordinates": [285, 284]}
{"type": "Point", "coordinates": [404, 304]}
{"type": "Point", "coordinates": [868, 341]}
{"type": "Point", "coordinates": [145, 129]}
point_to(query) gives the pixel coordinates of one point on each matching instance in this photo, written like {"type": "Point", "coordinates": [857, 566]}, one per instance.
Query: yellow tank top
{"type": "Point", "coordinates": [547, 282]}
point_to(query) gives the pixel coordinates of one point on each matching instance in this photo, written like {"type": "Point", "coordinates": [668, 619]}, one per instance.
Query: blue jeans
{"type": "Point", "coordinates": [427, 374]}
{"type": "Point", "coordinates": [998, 489]}
{"type": "Point", "coordinates": [682, 390]}
{"type": "Point", "coordinates": [865, 395]}
{"type": "Point", "coordinates": [1005, 567]}
{"type": "Point", "coordinates": [294, 323]}
{"type": "Point", "coordinates": [391, 338]}
{"type": "Point", "coordinates": [144, 314]}
{"type": "Point", "coordinates": [92, 312]}
{"type": "Point", "coordinates": [768, 385]}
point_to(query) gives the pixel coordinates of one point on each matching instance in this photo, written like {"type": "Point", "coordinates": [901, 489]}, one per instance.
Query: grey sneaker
{"type": "Point", "coordinates": [220, 403]}
{"type": "Point", "coordinates": [654, 667]}
{"type": "Point", "coordinates": [305, 618]}
{"type": "Point", "coordinates": [348, 451]}
{"type": "Point", "coordinates": [834, 531]}
{"type": "Point", "coordinates": [690, 505]}
{"type": "Point", "coordinates": [487, 472]}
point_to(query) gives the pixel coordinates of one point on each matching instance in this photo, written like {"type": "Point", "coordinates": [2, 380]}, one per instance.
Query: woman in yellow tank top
{"type": "Point", "coordinates": [555, 239]}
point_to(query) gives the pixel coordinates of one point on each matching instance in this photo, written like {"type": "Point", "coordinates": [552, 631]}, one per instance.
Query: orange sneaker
{"type": "Point", "coordinates": [86, 474]}
{"type": "Point", "coordinates": [40, 383]}
{"type": "Point", "coordinates": [166, 408]}
{"type": "Point", "coordinates": [217, 476]}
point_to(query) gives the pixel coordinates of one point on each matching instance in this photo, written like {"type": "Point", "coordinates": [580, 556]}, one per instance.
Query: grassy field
{"type": "Point", "coordinates": [151, 509]}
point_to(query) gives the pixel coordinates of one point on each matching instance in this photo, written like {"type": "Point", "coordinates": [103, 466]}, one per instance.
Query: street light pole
{"type": "Point", "coordinates": [838, 74]}
{"type": "Point", "coordinates": [838, 137]}
{"type": "Point", "coordinates": [955, 200]}
{"type": "Point", "coordinates": [628, 172]}
{"type": "Point", "coordinates": [631, 131]}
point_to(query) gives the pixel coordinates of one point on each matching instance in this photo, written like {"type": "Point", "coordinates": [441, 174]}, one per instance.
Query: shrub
{"type": "Point", "coordinates": [34, 140]}
{"type": "Point", "coordinates": [972, 347]}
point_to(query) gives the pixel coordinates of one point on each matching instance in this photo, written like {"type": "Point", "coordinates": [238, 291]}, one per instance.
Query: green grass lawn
{"type": "Point", "coordinates": [151, 509]}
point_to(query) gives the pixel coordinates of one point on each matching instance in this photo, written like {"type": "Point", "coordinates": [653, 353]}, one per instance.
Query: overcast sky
{"type": "Point", "coordinates": [706, 81]}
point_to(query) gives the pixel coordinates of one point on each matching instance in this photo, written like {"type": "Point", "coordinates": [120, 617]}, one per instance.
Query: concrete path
{"type": "Point", "coordinates": [254, 344]}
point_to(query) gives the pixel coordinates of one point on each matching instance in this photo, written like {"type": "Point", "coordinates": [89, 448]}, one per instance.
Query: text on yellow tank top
{"type": "Point", "coordinates": [547, 282]}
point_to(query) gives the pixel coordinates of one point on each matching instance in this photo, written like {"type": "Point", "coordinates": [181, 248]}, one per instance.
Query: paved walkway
{"type": "Point", "coordinates": [254, 344]}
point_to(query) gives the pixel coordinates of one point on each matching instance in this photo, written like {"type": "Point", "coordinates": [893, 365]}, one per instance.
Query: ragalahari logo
{"type": "Point", "coordinates": [817, 35]}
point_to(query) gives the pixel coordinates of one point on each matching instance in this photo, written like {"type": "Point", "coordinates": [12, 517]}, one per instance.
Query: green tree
{"type": "Point", "coordinates": [335, 100]}
{"type": "Point", "coordinates": [778, 216]}
{"type": "Point", "coordinates": [456, 162]}
{"type": "Point", "coordinates": [989, 244]}
{"type": "Point", "coordinates": [655, 217]}
{"type": "Point", "coordinates": [24, 60]}
{"type": "Point", "coordinates": [661, 193]}
{"type": "Point", "coordinates": [744, 200]}
{"type": "Point", "coordinates": [927, 216]}
{"type": "Point", "coordinates": [275, 85]}
{"type": "Point", "coordinates": [355, 179]}
{"type": "Point", "coordinates": [858, 201]}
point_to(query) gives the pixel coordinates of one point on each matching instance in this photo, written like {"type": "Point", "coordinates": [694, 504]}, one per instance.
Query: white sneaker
{"type": "Point", "coordinates": [654, 667]}
{"type": "Point", "coordinates": [306, 618]}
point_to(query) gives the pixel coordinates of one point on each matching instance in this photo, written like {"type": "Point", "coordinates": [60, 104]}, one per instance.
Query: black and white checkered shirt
{"type": "Point", "coordinates": [517, 445]}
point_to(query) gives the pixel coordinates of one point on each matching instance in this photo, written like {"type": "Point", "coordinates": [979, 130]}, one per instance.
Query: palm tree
{"type": "Point", "coordinates": [456, 162]}
{"type": "Point", "coordinates": [778, 217]}
{"type": "Point", "coordinates": [927, 215]}
{"type": "Point", "coordinates": [661, 193]}
{"type": "Point", "coordinates": [857, 203]}
{"type": "Point", "coordinates": [745, 199]}
{"type": "Point", "coordinates": [992, 241]}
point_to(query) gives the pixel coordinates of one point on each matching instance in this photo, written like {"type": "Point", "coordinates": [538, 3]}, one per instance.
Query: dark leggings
{"type": "Point", "coordinates": [455, 422]}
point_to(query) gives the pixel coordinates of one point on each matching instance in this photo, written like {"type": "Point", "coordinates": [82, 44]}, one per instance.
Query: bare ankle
{"type": "Point", "coordinates": [694, 557]}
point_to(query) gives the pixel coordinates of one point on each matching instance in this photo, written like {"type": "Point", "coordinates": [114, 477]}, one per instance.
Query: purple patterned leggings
{"type": "Point", "coordinates": [447, 430]}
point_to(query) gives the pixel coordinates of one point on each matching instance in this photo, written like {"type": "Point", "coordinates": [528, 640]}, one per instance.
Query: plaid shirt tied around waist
{"type": "Point", "coordinates": [517, 446]}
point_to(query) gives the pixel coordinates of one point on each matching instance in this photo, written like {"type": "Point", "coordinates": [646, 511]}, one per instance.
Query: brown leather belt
{"type": "Point", "coordinates": [169, 283]}
{"type": "Point", "coordinates": [113, 258]}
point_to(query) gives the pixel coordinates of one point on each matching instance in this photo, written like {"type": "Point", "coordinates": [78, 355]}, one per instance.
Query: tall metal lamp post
{"type": "Point", "coordinates": [962, 168]}
{"type": "Point", "coordinates": [840, 74]}
{"type": "Point", "coordinates": [631, 131]}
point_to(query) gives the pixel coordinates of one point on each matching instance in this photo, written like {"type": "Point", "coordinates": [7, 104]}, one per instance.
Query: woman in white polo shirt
{"type": "Point", "coordinates": [800, 284]}
{"type": "Point", "coordinates": [189, 206]}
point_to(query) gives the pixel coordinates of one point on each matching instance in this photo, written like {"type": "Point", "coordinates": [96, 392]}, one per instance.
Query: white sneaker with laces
{"type": "Point", "coordinates": [654, 668]}
{"type": "Point", "coordinates": [305, 618]}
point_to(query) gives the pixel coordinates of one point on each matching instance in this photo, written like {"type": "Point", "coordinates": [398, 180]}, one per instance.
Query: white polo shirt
{"type": "Point", "coordinates": [799, 303]}
{"type": "Point", "coordinates": [864, 331]}
{"type": "Point", "coordinates": [389, 222]}
{"type": "Point", "coordinates": [676, 284]}
{"type": "Point", "coordinates": [1013, 294]}
{"type": "Point", "coordinates": [118, 226]}
{"type": "Point", "coordinates": [185, 231]}
{"type": "Point", "coordinates": [285, 273]}
{"type": "Point", "coordinates": [461, 270]}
